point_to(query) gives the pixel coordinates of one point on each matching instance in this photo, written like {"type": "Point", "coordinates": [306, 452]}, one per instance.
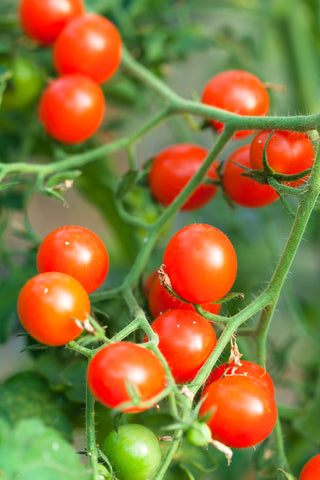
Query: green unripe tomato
{"type": "Point", "coordinates": [25, 84]}
{"type": "Point", "coordinates": [134, 452]}
{"type": "Point", "coordinates": [199, 434]}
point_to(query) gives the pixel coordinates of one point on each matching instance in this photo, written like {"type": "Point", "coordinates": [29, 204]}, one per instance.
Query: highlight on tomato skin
{"type": "Point", "coordinates": [48, 306]}
{"type": "Point", "coordinates": [71, 108]}
{"type": "Point", "coordinates": [201, 263]}
{"type": "Point", "coordinates": [242, 411]}
{"type": "Point", "coordinates": [76, 251]}
{"type": "Point", "coordinates": [287, 152]}
{"type": "Point", "coordinates": [236, 91]}
{"type": "Point", "coordinates": [245, 191]}
{"type": "Point", "coordinates": [44, 20]}
{"type": "Point", "coordinates": [173, 168]}
{"type": "Point", "coordinates": [117, 364]}
{"type": "Point", "coordinates": [186, 340]}
{"type": "Point", "coordinates": [89, 45]}
{"type": "Point", "coordinates": [160, 300]}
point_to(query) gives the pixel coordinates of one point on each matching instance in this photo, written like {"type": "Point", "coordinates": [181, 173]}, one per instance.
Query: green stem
{"type": "Point", "coordinates": [282, 461]}
{"type": "Point", "coordinates": [92, 451]}
{"type": "Point", "coordinates": [304, 210]}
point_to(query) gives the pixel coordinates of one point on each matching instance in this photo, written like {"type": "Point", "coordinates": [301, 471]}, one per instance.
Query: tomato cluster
{"type": "Point", "coordinates": [72, 261]}
{"type": "Point", "coordinates": [199, 267]}
{"type": "Point", "coordinates": [86, 52]}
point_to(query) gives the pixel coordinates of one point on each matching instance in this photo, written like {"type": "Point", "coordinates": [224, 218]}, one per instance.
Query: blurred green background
{"type": "Point", "coordinates": [185, 43]}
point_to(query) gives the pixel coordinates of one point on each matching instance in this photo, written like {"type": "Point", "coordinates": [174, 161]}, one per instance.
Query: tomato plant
{"type": "Point", "coordinates": [48, 306]}
{"type": "Point", "coordinates": [246, 368]}
{"type": "Point", "coordinates": [201, 263]}
{"type": "Point", "coordinates": [311, 470]}
{"type": "Point", "coordinates": [76, 251]}
{"type": "Point", "coordinates": [131, 364]}
{"type": "Point", "coordinates": [239, 92]}
{"type": "Point", "coordinates": [243, 190]}
{"type": "Point", "coordinates": [71, 108]}
{"type": "Point", "coordinates": [186, 340]}
{"type": "Point", "coordinates": [287, 152]}
{"type": "Point", "coordinates": [241, 411]}
{"type": "Point", "coordinates": [172, 169]}
{"type": "Point", "coordinates": [43, 20]}
{"type": "Point", "coordinates": [89, 45]}
{"type": "Point", "coordinates": [160, 300]}
{"type": "Point", "coordinates": [133, 451]}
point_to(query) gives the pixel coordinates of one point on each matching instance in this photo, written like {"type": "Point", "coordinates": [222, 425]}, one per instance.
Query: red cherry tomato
{"type": "Point", "coordinates": [246, 368]}
{"type": "Point", "coordinates": [90, 45]}
{"type": "Point", "coordinates": [43, 20]}
{"type": "Point", "coordinates": [71, 108]}
{"type": "Point", "coordinates": [160, 300]}
{"type": "Point", "coordinates": [287, 152]}
{"type": "Point", "coordinates": [201, 263]}
{"type": "Point", "coordinates": [244, 190]}
{"type": "Point", "coordinates": [172, 169]}
{"type": "Point", "coordinates": [48, 305]}
{"type": "Point", "coordinates": [77, 251]}
{"type": "Point", "coordinates": [118, 363]}
{"type": "Point", "coordinates": [238, 92]}
{"type": "Point", "coordinates": [311, 470]}
{"type": "Point", "coordinates": [243, 412]}
{"type": "Point", "coordinates": [186, 340]}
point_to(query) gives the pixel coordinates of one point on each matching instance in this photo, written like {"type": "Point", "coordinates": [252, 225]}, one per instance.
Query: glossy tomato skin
{"type": "Point", "coordinates": [311, 470]}
{"type": "Point", "coordinates": [134, 452]}
{"type": "Point", "coordinates": [186, 340]}
{"type": "Point", "coordinates": [242, 190]}
{"type": "Point", "coordinates": [246, 368]}
{"type": "Point", "coordinates": [243, 411]}
{"type": "Point", "coordinates": [76, 251]}
{"type": "Point", "coordinates": [239, 92]}
{"type": "Point", "coordinates": [114, 365]}
{"type": "Point", "coordinates": [201, 263]}
{"type": "Point", "coordinates": [172, 169]}
{"type": "Point", "coordinates": [71, 108]}
{"type": "Point", "coordinates": [48, 305]}
{"type": "Point", "coordinates": [90, 45]}
{"type": "Point", "coordinates": [287, 152]}
{"type": "Point", "coordinates": [44, 20]}
{"type": "Point", "coordinates": [160, 300]}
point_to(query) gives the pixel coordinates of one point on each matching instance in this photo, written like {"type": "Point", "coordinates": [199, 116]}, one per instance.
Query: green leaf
{"type": "Point", "coordinates": [126, 183]}
{"type": "Point", "coordinates": [27, 395]}
{"type": "Point", "coordinates": [33, 451]}
{"type": "Point", "coordinates": [59, 180]}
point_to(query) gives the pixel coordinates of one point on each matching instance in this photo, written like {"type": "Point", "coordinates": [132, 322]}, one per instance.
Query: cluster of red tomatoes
{"type": "Point", "coordinates": [86, 52]}
{"type": "Point", "coordinates": [287, 152]}
{"type": "Point", "coordinates": [201, 263]}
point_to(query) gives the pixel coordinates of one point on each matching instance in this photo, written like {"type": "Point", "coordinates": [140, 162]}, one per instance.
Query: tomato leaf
{"type": "Point", "coordinates": [32, 451]}
{"type": "Point", "coordinates": [27, 395]}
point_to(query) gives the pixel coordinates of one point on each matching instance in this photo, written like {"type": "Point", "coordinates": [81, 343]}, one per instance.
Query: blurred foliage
{"type": "Point", "coordinates": [185, 42]}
